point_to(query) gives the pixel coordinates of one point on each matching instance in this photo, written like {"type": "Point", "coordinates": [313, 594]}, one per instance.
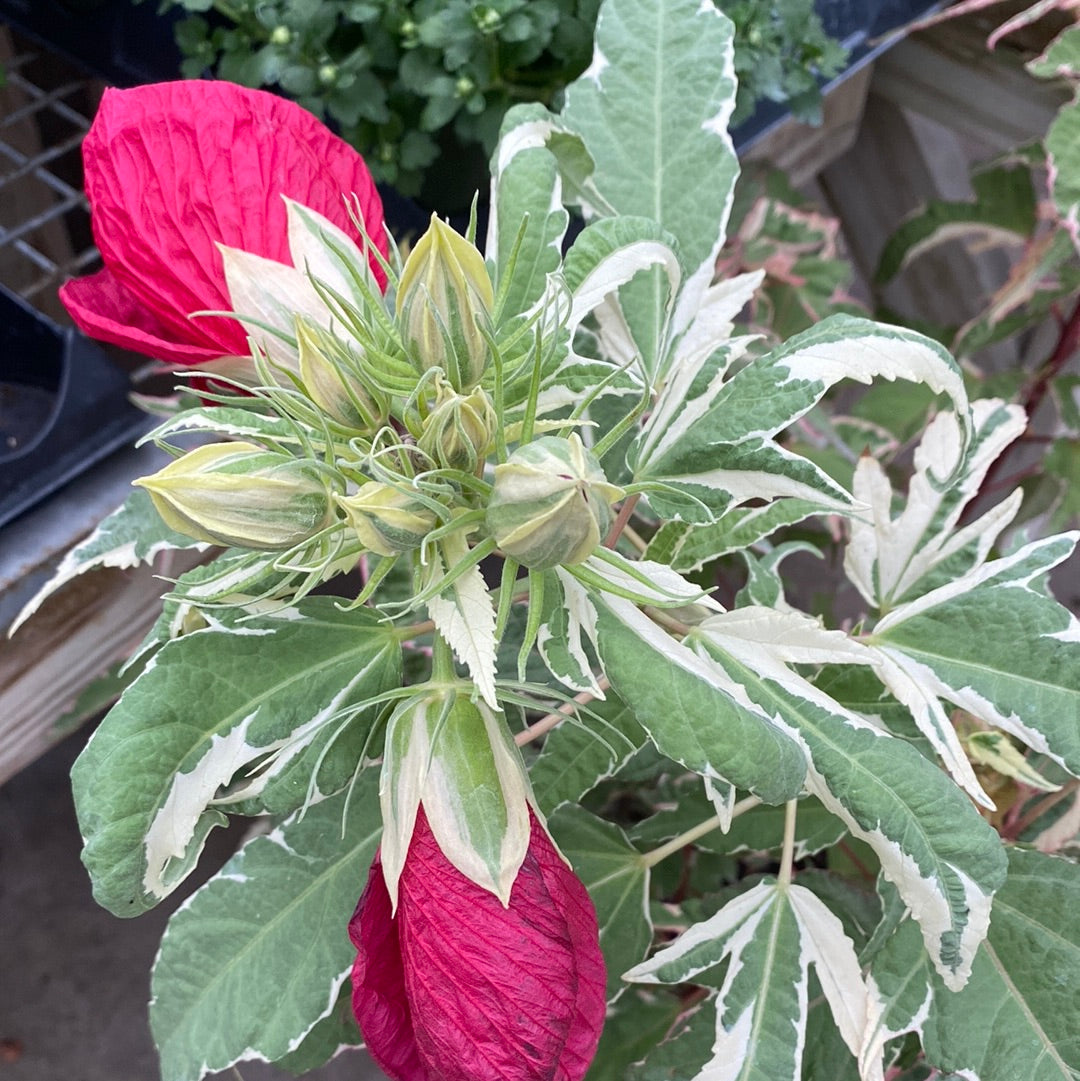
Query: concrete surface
{"type": "Point", "coordinates": [74, 980]}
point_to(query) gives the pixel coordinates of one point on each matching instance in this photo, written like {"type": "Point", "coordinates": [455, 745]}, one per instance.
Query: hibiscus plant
{"type": "Point", "coordinates": [457, 517]}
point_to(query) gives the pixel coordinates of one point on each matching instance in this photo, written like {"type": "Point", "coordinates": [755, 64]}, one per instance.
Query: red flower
{"type": "Point", "coordinates": [172, 169]}
{"type": "Point", "coordinates": [456, 987]}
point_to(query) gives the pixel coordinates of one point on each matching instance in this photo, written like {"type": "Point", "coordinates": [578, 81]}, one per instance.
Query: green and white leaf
{"type": "Point", "coordinates": [617, 878]}
{"type": "Point", "coordinates": [655, 125]}
{"type": "Point", "coordinates": [327, 254]}
{"type": "Point", "coordinates": [889, 558]}
{"type": "Point", "coordinates": [134, 533]}
{"type": "Point", "coordinates": [256, 957]}
{"type": "Point", "coordinates": [464, 614]}
{"type": "Point", "coordinates": [567, 613]}
{"type": "Point", "coordinates": [945, 860]}
{"type": "Point", "coordinates": [770, 936]}
{"type": "Point", "coordinates": [959, 642]}
{"type": "Point", "coordinates": [692, 712]}
{"type": "Point", "coordinates": [214, 708]}
{"type": "Point", "coordinates": [583, 751]}
{"type": "Point", "coordinates": [526, 186]}
{"type": "Point", "coordinates": [688, 548]}
{"type": "Point", "coordinates": [1017, 1016]}
{"type": "Point", "coordinates": [229, 421]}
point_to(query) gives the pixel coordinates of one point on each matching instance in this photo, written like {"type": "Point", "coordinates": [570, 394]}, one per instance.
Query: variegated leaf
{"type": "Point", "coordinates": [617, 878]}
{"type": "Point", "coordinates": [132, 534]}
{"type": "Point", "coordinates": [892, 559]}
{"type": "Point", "coordinates": [959, 642]}
{"type": "Point", "coordinates": [770, 936]}
{"type": "Point", "coordinates": [945, 860]}
{"type": "Point", "coordinates": [691, 710]}
{"type": "Point", "coordinates": [252, 961]}
{"type": "Point", "coordinates": [216, 716]}
{"type": "Point", "coordinates": [464, 615]}
{"type": "Point", "coordinates": [584, 750]}
{"type": "Point", "coordinates": [655, 124]}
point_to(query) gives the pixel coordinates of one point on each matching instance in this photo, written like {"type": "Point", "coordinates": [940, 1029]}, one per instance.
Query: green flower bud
{"type": "Point", "coordinates": [330, 384]}
{"type": "Point", "coordinates": [460, 431]}
{"type": "Point", "coordinates": [241, 496]}
{"type": "Point", "coordinates": [443, 298]}
{"type": "Point", "coordinates": [551, 503]}
{"type": "Point", "coordinates": [328, 74]}
{"type": "Point", "coordinates": [386, 519]}
{"type": "Point", "coordinates": [280, 35]}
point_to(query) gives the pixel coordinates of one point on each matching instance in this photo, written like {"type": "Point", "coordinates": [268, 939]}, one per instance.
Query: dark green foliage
{"type": "Point", "coordinates": [404, 80]}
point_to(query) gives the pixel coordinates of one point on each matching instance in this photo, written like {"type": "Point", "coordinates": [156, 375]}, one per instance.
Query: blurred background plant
{"type": "Point", "coordinates": [405, 80]}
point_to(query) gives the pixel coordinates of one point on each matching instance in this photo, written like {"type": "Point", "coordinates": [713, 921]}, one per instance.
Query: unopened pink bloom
{"type": "Point", "coordinates": [174, 168]}
{"type": "Point", "coordinates": [456, 987]}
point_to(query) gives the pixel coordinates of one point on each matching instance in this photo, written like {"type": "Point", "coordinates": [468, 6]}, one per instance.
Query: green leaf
{"type": "Point", "coordinates": [759, 830]}
{"type": "Point", "coordinates": [257, 956]}
{"type": "Point", "coordinates": [1003, 211]}
{"type": "Point", "coordinates": [653, 109]}
{"type": "Point", "coordinates": [690, 711]}
{"type": "Point", "coordinates": [960, 642]}
{"type": "Point", "coordinates": [132, 534]}
{"type": "Point", "coordinates": [215, 705]}
{"type": "Point", "coordinates": [1017, 1015]}
{"type": "Point", "coordinates": [580, 753]}
{"type": "Point", "coordinates": [617, 878]}
{"type": "Point", "coordinates": [686, 1050]}
{"type": "Point", "coordinates": [635, 1025]}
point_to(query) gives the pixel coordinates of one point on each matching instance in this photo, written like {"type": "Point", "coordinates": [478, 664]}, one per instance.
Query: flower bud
{"type": "Point", "coordinates": [386, 519]}
{"type": "Point", "coordinates": [551, 503]}
{"type": "Point", "coordinates": [241, 496]}
{"type": "Point", "coordinates": [335, 389]}
{"type": "Point", "coordinates": [460, 430]}
{"type": "Point", "coordinates": [443, 298]}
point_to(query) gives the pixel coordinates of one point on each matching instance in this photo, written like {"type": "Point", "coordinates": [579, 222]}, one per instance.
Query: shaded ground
{"type": "Point", "coordinates": [74, 980]}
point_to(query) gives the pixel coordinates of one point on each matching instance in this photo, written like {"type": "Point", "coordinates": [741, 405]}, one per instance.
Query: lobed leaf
{"type": "Point", "coordinates": [216, 707]}
{"type": "Point", "coordinates": [255, 959]}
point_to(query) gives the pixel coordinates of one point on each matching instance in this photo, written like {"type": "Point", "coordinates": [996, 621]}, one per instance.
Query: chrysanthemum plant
{"type": "Point", "coordinates": [454, 634]}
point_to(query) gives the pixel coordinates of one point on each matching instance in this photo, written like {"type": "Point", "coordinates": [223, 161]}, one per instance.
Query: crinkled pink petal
{"type": "Point", "coordinates": [493, 993]}
{"type": "Point", "coordinates": [172, 169]}
{"type": "Point", "coordinates": [378, 978]}
{"type": "Point", "coordinates": [102, 308]}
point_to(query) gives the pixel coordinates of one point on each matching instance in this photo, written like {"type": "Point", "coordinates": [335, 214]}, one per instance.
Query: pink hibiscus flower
{"type": "Point", "coordinates": [171, 170]}
{"type": "Point", "coordinates": [456, 987]}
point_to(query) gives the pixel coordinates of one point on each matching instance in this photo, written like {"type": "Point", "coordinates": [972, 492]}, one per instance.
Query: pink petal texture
{"type": "Point", "coordinates": [459, 988]}
{"type": "Point", "coordinates": [173, 169]}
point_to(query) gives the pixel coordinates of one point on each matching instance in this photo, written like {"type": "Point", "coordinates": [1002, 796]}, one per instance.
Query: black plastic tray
{"type": "Point", "coordinates": [63, 406]}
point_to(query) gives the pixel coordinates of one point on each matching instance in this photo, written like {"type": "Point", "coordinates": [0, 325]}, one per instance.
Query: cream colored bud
{"type": "Point", "coordinates": [551, 503]}
{"type": "Point", "coordinates": [332, 386]}
{"type": "Point", "coordinates": [460, 431]}
{"type": "Point", "coordinates": [241, 496]}
{"type": "Point", "coordinates": [443, 299]}
{"type": "Point", "coordinates": [387, 520]}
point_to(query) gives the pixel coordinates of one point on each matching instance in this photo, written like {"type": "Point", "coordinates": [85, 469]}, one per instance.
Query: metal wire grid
{"type": "Point", "coordinates": [45, 233]}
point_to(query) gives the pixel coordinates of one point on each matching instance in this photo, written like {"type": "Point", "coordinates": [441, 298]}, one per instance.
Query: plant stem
{"type": "Point", "coordinates": [1037, 808]}
{"type": "Point", "coordinates": [546, 724]}
{"type": "Point", "coordinates": [676, 844]}
{"type": "Point", "coordinates": [787, 855]}
{"type": "Point", "coordinates": [625, 513]}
